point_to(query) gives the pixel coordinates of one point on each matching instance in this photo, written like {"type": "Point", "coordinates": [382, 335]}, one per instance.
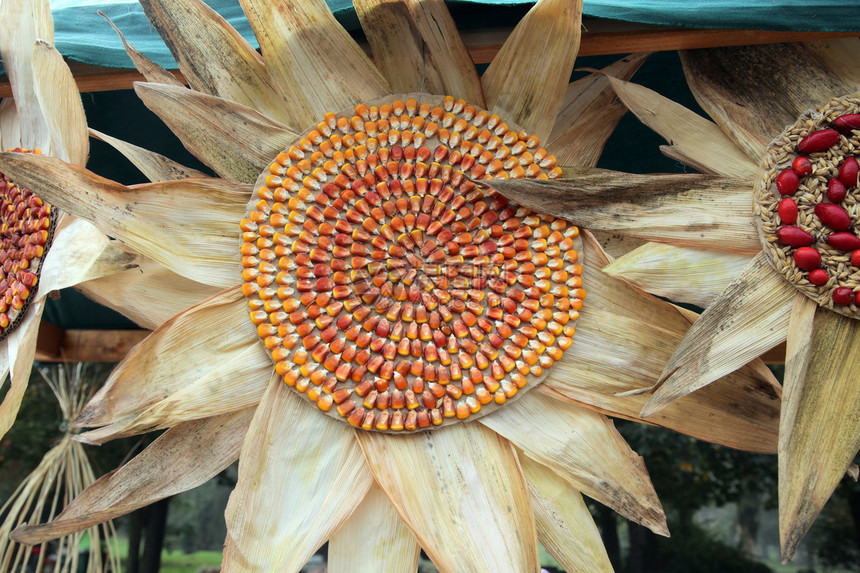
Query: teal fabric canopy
{"type": "Point", "coordinates": [84, 36]}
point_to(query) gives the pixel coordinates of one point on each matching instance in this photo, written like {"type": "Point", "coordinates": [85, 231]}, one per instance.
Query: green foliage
{"type": "Point", "coordinates": [693, 549]}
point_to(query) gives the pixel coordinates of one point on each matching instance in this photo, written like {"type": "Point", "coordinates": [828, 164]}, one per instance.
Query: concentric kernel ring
{"type": "Point", "coordinates": [26, 231]}
{"type": "Point", "coordinates": [387, 286]}
{"type": "Point", "coordinates": [809, 233]}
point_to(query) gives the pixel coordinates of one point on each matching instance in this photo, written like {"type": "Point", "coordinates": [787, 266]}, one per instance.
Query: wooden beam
{"type": "Point", "coordinates": [600, 37]}
{"type": "Point", "coordinates": [55, 344]}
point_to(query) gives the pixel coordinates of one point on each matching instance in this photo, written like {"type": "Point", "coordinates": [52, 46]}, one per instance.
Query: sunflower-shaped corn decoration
{"type": "Point", "coordinates": [400, 357]}
{"type": "Point", "coordinates": [766, 239]}
{"type": "Point", "coordinates": [40, 249]}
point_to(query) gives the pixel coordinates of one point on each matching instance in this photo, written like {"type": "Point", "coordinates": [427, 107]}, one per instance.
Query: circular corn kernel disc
{"type": "Point", "coordinates": [26, 231]}
{"type": "Point", "coordinates": [388, 287]}
{"type": "Point", "coordinates": [811, 199]}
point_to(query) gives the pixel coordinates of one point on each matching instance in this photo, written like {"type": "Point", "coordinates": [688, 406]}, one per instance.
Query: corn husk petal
{"type": "Point", "coordinates": [819, 435]}
{"type": "Point", "coordinates": [154, 166]}
{"type": "Point", "coordinates": [188, 226]}
{"type": "Point", "coordinates": [182, 458]}
{"type": "Point", "coordinates": [234, 140]}
{"type": "Point", "coordinates": [748, 318]}
{"type": "Point", "coordinates": [838, 55]}
{"type": "Point", "coordinates": [149, 294]}
{"type": "Point", "coordinates": [374, 538]}
{"type": "Point", "coordinates": [527, 79]}
{"type": "Point", "coordinates": [682, 209]}
{"type": "Point", "coordinates": [584, 448]}
{"type": "Point", "coordinates": [10, 127]}
{"type": "Point", "coordinates": [564, 524]}
{"type": "Point", "coordinates": [314, 62]}
{"type": "Point", "coordinates": [301, 475]}
{"type": "Point", "coordinates": [171, 377]}
{"type": "Point", "coordinates": [739, 411]}
{"type": "Point", "coordinates": [213, 57]}
{"type": "Point", "coordinates": [464, 479]}
{"type": "Point", "coordinates": [21, 24]}
{"type": "Point", "coordinates": [588, 115]}
{"type": "Point", "coordinates": [60, 104]}
{"type": "Point", "coordinates": [681, 274]}
{"type": "Point", "coordinates": [753, 92]}
{"type": "Point", "coordinates": [149, 69]}
{"type": "Point", "coordinates": [694, 140]}
{"type": "Point", "coordinates": [16, 358]}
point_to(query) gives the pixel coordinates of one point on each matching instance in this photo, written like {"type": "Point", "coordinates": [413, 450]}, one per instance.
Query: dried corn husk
{"type": "Point", "coordinates": [646, 206]}
{"type": "Point", "coordinates": [693, 139]}
{"type": "Point", "coordinates": [21, 24]}
{"type": "Point", "coordinates": [838, 55]}
{"type": "Point", "coordinates": [154, 166]}
{"type": "Point", "coordinates": [588, 115]}
{"type": "Point", "coordinates": [753, 92]}
{"type": "Point", "coordinates": [751, 317]}
{"type": "Point", "coordinates": [149, 294]}
{"type": "Point", "coordinates": [182, 458]}
{"type": "Point", "coordinates": [564, 524]}
{"type": "Point", "coordinates": [10, 128]}
{"type": "Point", "coordinates": [819, 435]}
{"type": "Point", "coordinates": [445, 50]}
{"type": "Point", "coordinates": [374, 538]}
{"type": "Point", "coordinates": [61, 104]}
{"type": "Point", "coordinates": [623, 340]}
{"type": "Point", "coordinates": [235, 141]}
{"type": "Point", "coordinates": [170, 377]}
{"type": "Point", "coordinates": [485, 501]}
{"type": "Point", "coordinates": [584, 448]}
{"type": "Point", "coordinates": [681, 274]}
{"type": "Point", "coordinates": [314, 62]}
{"type": "Point", "coordinates": [188, 226]}
{"type": "Point", "coordinates": [150, 70]}
{"type": "Point", "coordinates": [301, 476]}
{"type": "Point", "coordinates": [16, 358]}
{"type": "Point", "coordinates": [62, 473]}
{"type": "Point", "coordinates": [214, 58]}
{"type": "Point", "coordinates": [67, 264]}
{"type": "Point", "coordinates": [527, 79]}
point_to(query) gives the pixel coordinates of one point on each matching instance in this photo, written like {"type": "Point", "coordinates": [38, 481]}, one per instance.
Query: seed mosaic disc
{"type": "Point", "coordinates": [389, 285]}
{"type": "Point", "coordinates": [26, 230]}
{"type": "Point", "coordinates": [806, 205]}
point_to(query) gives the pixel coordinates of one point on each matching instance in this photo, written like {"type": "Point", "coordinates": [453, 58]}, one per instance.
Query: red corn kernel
{"type": "Point", "coordinates": [787, 210]}
{"type": "Point", "coordinates": [820, 140]}
{"type": "Point", "coordinates": [787, 182]}
{"type": "Point", "coordinates": [802, 166]}
{"type": "Point", "coordinates": [843, 296]}
{"type": "Point", "coordinates": [818, 277]}
{"type": "Point", "coordinates": [807, 258]}
{"type": "Point", "coordinates": [836, 190]}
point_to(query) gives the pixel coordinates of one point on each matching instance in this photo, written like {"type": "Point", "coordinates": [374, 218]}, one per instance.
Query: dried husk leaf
{"type": "Point", "coordinates": [10, 127]}
{"type": "Point", "coordinates": [716, 209]}
{"type": "Point", "coordinates": [61, 105]}
{"type": "Point", "coordinates": [373, 539]}
{"type": "Point", "coordinates": [182, 458]}
{"type": "Point", "coordinates": [172, 377]}
{"type": "Point", "coordinates": [694, 140]}
{"type": "Point", "coordinates": [150, 70]}
{"type": "Point", "coordinates": [740, 411]}
{"type": "Point", "coordinates": [681, 274]}
{"type": "Point", "coordinates": [584, 448]}
{"type": "Point", "coordinates": [301, 475]}
{"type": "Point", "coordinates": [564, 524]}
{"type": "Point", "coordinates": [753, 92]}
{"type": "Point", "coordinates": [67, 264]}
{"type": "Point", "coordinates": [21, 24]}
{"type": "Point", "coordinates": [818, 436]}
{"type": "Point", "coordinates": [527, 80]}
{"type": "Point", "coordinates": [214, 58]}
{"type": "Point", "coordinates": [154, 166]}
{"type": "Point", "coordinates": [588, 115]}
{"type": "Point", "coordinates": [746, 320]}
{"type": "Point", "coordinates": [397, 46]}
{"type": "Point", "coordinates": [314, 62]}
{"type": "Point", "coordinates": [463, 478]}
{"type": "Point", "coordinates": [16, 358]}
{"type": "Point", "coordinates": [149, 294]}
{"type": "Point", "coordinates": [189, 226]}
{"type": "Point", "coordinates": [839, 56]}
{"type": "Point", "coordinates": [445, 50]}
{"type": "Point", "coordinates": [235, 141]}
